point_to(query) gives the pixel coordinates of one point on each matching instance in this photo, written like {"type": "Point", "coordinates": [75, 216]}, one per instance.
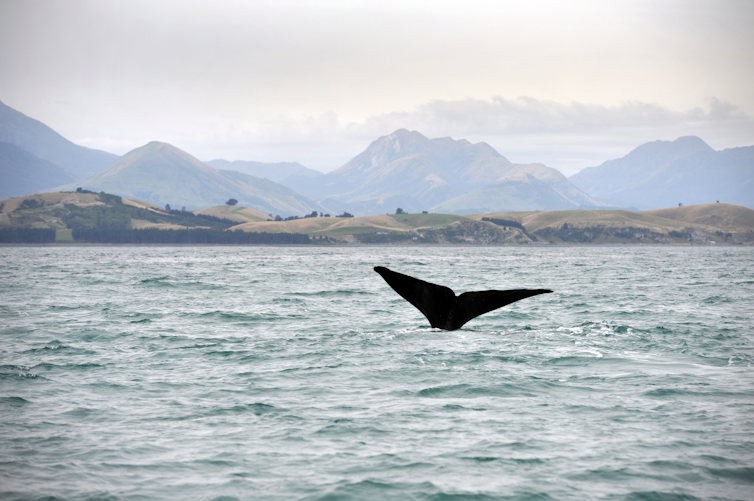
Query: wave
{"type": "Point", "coordinates": [659, 496]}
{"type": "Point", "coordinates": [339, 292]}
{"type": "Point", "coordinates": [157, 282]}
{"type": "Point", "coordinates": [235, 316]}
{"type": "Point", "coordinates": [471, 391]}
{"type": "Point", "coordinates": [13, 401]}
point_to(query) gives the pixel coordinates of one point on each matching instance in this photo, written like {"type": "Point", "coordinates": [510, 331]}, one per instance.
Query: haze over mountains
{"type": "Point", "coordinates": [279, 172]}
{"type": "Point", "coordinates": [43, 142]}
{"type": "Point", "coordinates": [665, 173]}
{"type": "Point", "coordinates": [21, 173]}
{"type": "Point", "coordinates": [161, 174]}
{"type": "Point", "coordinates": [404, 169]}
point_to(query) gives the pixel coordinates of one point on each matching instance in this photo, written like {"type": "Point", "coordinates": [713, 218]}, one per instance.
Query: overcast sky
{"type": "Point", "coordinates": [565, 83]}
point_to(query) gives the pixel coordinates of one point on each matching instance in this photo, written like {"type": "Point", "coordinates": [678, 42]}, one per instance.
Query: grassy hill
{"type": "Point", "coordinates": [355, 225]}
{"type": "Point", "coordinates": [69, 212]}
{"type": "Point", "coordinates": [724, 216]}
{"type": "Point", "coordinates": [729, 224]}
{"type": "Point", "coordinates": [708, 223]}
{"type": "Point", "coordinates": [534, 221]}
{"type": "Point", "coordinates": [233, 213]}
{"type": "Point", "coordinates": [104, 218]}
{"type": "Point", "coordinates": [396, 229]}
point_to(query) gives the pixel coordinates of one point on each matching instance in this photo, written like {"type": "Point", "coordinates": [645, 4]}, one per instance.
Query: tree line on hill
{"type": "Point", "coordinates": [116, 215]}
{"type": "Point", "coordinates": [193, 236]}
{"type": "Point", "coordinates": [152, 236]}
{"type": "Point", "coordinates": [27, 236]}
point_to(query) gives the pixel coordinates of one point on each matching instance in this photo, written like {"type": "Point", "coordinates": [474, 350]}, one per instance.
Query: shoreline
{"type": "Point", "coordinates": [320, 246]}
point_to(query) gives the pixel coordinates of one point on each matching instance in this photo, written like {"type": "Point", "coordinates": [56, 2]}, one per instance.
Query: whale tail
{"type": "Point", "coordinates": [442, 307]}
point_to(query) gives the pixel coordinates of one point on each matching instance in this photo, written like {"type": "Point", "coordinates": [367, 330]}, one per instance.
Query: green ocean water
{"type": "Point", "coordinates": [135, 373]}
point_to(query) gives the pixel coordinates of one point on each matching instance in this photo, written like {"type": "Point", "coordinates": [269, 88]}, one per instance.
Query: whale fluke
{"type": "Point", "coordinates": [442, 307]}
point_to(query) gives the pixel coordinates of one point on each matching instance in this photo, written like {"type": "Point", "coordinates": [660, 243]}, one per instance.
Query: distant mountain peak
{"type": "Point", "coordinates": [667, 150]}
{"type": "Point", "coordinates": [692, 141]}
{"type": "Point", "coordinates": [665, 173]}
{"type": "Point", "coordinates": [399, 138]}
{"type": "Point", "coordinates": [156, 145]}
{"type": "Point", "coordinates": [41, 141]}
{"type": "Point", "coordinates": [399, 132]}
{"type": "Point", "coordinates": [407, 168]}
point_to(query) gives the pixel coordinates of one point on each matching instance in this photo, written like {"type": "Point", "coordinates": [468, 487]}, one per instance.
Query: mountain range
{"type": "Point", "coordinates": [666, 173]}
{"type": "Point", "coordinates": [406, 169]}
{"type": "Point", "coordinates": [403, 170]}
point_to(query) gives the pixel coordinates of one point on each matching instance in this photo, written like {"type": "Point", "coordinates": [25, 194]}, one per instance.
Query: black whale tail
{"type": "Point", "coordinates": [442, 307]}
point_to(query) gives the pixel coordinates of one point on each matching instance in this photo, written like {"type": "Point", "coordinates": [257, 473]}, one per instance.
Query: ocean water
{"type": "Point", "coordinates": [135, 373]}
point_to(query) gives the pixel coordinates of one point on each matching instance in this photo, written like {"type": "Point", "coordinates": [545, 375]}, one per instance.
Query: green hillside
{"type": "Point", "coordinates": [103, 218]}
{"type": "Point", "coordinates": [162, 174]}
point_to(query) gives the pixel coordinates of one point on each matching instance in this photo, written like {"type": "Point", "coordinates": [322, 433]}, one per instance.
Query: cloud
{"type": "Point", "coordinates": [529, 116]}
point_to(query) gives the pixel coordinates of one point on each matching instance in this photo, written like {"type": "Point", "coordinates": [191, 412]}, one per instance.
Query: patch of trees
{"type": "Point", "coordinates": [97, 216]}
{"type": "Point", "coordinates": [510, 223]}
{"type": "Point", "coordinates": [345, 214]}
{"type": "Point", "coordinates": [505, 222]}
{"type": "Point", "coordinates": [27, 236]}
{"type": "Point", "coordinates": [232, 201]}
{"type": "Point", "coordinates": [187, 218]}
{"type": "Point", "coordinates": [116, 215]}
{"type": "Point", "coordinates": [197, 236]}
{"type": "Point", "coordinates": [720, 234]}
{"type": "Point", "coordinates": [680, 234]}
{"type": "Point", "coordinates": [313, 213]}
{"type": "Point", "coordinates": [30, 203]}
{"type": "Point", "coordinates": [574, 235]}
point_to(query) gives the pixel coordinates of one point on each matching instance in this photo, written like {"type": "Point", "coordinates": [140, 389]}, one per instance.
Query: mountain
{"type": "Point", "coordinates": [407, 170]}
{"type": "Point", "coordinates": [38, 139]}
{"type": "Point", "coordinates": [524, 187]}
{"type": "Point", "coordinates": [666, 173]}
{"type": "Point", "coordinates": [23, 173]}
{"type": "Point", "coordinates": [162, 174]}
{"type": "Point", "coordinates": [278, 172]}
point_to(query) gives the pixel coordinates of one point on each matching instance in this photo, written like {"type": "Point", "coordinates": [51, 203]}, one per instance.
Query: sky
{"type": "Point", "coordinates": [568, 84]}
